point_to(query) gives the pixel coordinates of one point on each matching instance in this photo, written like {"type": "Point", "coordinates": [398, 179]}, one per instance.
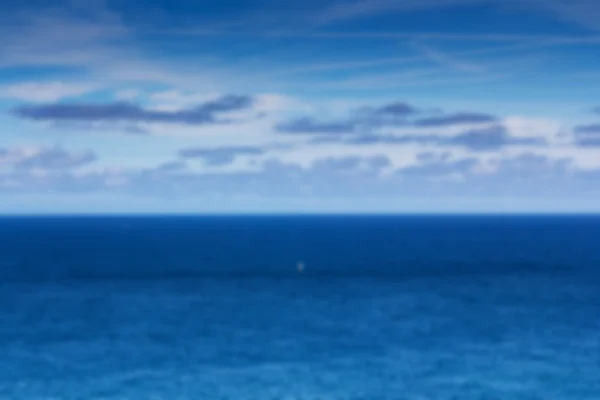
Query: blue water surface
{"type": "Point", "coordinates": [387, 307]}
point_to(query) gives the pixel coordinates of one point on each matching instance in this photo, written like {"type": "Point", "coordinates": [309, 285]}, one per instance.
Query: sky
{"type": "Point", "coordinates": [265, 106]}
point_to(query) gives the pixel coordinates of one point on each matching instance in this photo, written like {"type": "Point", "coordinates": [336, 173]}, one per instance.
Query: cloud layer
{"type": "Point", "coordinates": [351, 177]}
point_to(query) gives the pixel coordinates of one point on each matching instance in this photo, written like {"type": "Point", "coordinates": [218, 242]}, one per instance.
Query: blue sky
{"type": "Point", "coordinates": [314, 106]}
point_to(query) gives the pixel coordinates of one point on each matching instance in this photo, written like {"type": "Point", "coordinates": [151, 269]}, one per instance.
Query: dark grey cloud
{"type": "Point", "coordinates": [220, 155]}
{"type": "Point", "coordinates": [351, 163]}
{"type": "Point", "coordinates": [364, 118]}
{"type": "Point", "coordinates": [367, 139]}
{"type": "Point", "coordinates": [491, 139]}
{"type": "Point", "coordinates": [171, 166]}
{"type": "Point", "coordinates": [372, 138]}
{"type": "Point", "coordinates": [588, 129]}
{"type": "Point", "coordinates": [206, 113]}
{"type": "Point", "coordinates": [310, 126]}
{"type": "Point", "coordinates": [388, 114]}
{"type": "Point", "coordinates": [587, 135]}
{"type": "Point", "coordinates": [455, 119]}
{"type": "Point", "coordinates": [399, 108]}
{"type": "Point", "coordinates": [487, 139]}
{"type": "Point", "coordinates": [587, 141]}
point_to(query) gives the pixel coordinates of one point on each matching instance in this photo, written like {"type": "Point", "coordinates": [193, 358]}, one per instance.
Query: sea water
{"type": "Point", "coordinates": [385, 307]}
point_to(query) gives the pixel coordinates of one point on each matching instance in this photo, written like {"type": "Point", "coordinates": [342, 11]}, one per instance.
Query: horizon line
{"type": "Point", "coordinates": [302, 214]}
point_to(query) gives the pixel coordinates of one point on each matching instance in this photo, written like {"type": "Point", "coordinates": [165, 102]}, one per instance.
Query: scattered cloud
{"type": "Point", "coordinates": [366, 119]}
{"type": "Point", "coordinates": [432, 173]}
{"type": "Point", "coordinates": [310, 125]}
{"type": "Point", "coordinates": [97, 127]}
{"type": "Point", "coordinates": [386, 115]}
{"type": "Point", "coordinates": [44, 158]}
{"type": "Point", "coordinates": [44, 91]}
{"type": "Point", "coordinates": [533, 166]}
{"type": "Point", "coordinates": [587, 135]}
{"type": "Point", "coordinates": [488, 139]}
{"type": "Point", "coordinates": [172, 166]}
{"type": "Point", "coordinates": [588, 129]}
{"type": "Point", "coordinates": [363, 150]}
{"type": "Point", "coordinates": [206, 113]}
{"type": "Point", "coordinates": [491, 139]}
{"type": "Point", "coordinates": [56, 158]}
{"type": "Point", "coordinates": [219, 156]}
{"type": "Point", "coordinates": [352, 163]}
{"type": "Point", "coordinates": [368, 139]}
{"type": "Point", "coordinates": [463, 118]}
{"type": "Point", "coordinates": [438, 166]}
{"type": "Point", "coordinates": [371, 126]}
{"type": "Point", "coordinates": [391, 114]}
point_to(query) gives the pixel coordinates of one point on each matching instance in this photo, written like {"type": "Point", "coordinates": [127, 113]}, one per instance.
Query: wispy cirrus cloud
{"type": "Point", "coordinates": [346, 10]}
{"type": "Point", "coordinates": [581, 12]}
{"type": "Point", "coordinates": [519, 41]}
{"type": "Point", "coordinates": [64, 34]}
{"type": "Point", "coordinates": [584, 13]}
{"type": "Point", "coordinates": [446, 60]}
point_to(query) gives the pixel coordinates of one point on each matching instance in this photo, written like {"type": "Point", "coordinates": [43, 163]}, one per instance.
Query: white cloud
{"type": "Point", "coordinates": [128, 94]}
{"type": "Point", "coordinates": [45, 91]}
{"type": "Point", "coordinates": [364, 8]}
{"type": "Point", "coordinates": [527, 127]}
{"type": "Point", "coordinates": [585, 13]}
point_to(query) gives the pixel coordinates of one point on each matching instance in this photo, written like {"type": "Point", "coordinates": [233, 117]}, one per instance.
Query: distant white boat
{"type": "Point", "coordinates": [300, 266]}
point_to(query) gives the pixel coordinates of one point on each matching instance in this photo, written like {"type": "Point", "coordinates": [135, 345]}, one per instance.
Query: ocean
{"type": "Point", "coordinates": [385, 308]}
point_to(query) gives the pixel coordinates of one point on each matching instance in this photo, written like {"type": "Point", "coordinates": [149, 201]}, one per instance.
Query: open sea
{"type": "Point", "coordinates": [217, 308]}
